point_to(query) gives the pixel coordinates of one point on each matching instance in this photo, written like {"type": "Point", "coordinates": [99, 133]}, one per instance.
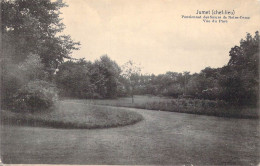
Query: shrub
{"type": "Point", "coordinates": [16, 76]}
{"type": "Point", "coordinates": [12, 80]}
{"type": "Point", "coordinates": [36, 95]}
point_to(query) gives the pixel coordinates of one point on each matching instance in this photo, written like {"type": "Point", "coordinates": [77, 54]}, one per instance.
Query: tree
{"type": "Point", "coordinates": [105, 75]}
{"type": "Point", "coordinates": [186, 76]}
{"type": "Point", "coordinates": [240, 78]}
{"type": "Point", "coordinates": [33, 47]}
{"type": "Point", "coordinates": [32, 68]}
{"type": "Point", "coordinates": [131, 72]}
{"type": "Point", "coordinates": [74, 79]}
{"type": "Point", "coordinates": [206, 83]}
{"type": "Point", "coordinates": [82, 79]}
{"type": "Point", "coordinates": [246, 56]}
{"type": "Point", "coordinates": [33, 26]}
{"type": "Point", "coordinates": [167, 84]}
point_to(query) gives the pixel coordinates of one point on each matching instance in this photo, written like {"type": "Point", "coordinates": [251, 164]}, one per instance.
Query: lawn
{"type": "Point", "coordinates": [66, 115]}
{"type": "Point", "coordinates": [162, 138]}
{"type": "Point", "coordinates": [192, 106]}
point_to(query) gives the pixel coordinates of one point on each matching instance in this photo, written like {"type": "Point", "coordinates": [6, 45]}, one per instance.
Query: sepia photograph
{"type": "Point", "coordinates": [130, 82]}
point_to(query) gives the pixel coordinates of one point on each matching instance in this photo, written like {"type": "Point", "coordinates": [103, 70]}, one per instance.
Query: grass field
{"type": "Point", "coordinates": [162, 138]}
{"type": "Point", "coordinates": [66, 115]}
{"type": "Point", "coordinates": [193, 106]}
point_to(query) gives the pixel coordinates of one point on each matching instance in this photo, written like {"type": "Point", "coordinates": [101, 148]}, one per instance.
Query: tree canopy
{"type": "Point", "coordinates": [35, 27]}
{"type": "Point", "coordinates": [83, 79]}
{"type": "Point", "coordinates": [240, 78]}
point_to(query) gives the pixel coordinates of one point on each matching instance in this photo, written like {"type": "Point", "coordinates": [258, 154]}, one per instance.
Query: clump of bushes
{"type": "Point", "coordinates": [26, 86]}
{"type": "Point", "coordinates": [35, 96]}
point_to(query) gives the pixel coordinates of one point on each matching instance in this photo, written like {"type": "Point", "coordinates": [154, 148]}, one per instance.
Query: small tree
{"type": "Point", "coordinates": [131, 72]}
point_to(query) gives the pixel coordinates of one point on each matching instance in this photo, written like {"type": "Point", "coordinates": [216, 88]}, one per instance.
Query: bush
{"type": "Point", "coordinates": [12, 80]}
{"type": "Point", "coordinates": [16, 76]}
{"type": "Point", "coordinates": [35, 96]}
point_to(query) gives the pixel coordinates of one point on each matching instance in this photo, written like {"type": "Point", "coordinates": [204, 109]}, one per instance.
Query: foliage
{"type": "Point", "coordinates": [131, 73]}
{"type": "Point", "coordinates": [12, 80]}
{"type": "Point", "coordinates": [73, 79]}
{"type": "Point", "coordinates": [32, 26]}
{"type": "Point", "coordinates": [35, 96]}
{"type": "Point", "coordinates": [32, 49]}
{"type": "Point", "coordinates": [236, 83]}
{"type": "Point", "coordinates": [23, 86]}
{"type": "Point", "coordinates": [32, 68]}
{"type": "Point", "coordinates": [105, 75]}
{"type": "Point", "coordinates": [82, 79]}
{"type": "Point", "coordinates": [240, 78]}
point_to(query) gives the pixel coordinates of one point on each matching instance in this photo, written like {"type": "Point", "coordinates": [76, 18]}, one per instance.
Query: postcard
{"type": "Point", "coordinates": [137, 82]}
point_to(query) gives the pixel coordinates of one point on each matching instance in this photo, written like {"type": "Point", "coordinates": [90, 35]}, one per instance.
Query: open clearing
{"type": "Point", "coordinates": [161, 138]}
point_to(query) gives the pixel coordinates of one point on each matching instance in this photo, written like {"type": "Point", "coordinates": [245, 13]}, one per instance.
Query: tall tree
{"type": "Point", "coordinates": [34, 26]}
{"type": "Point", "coordinates": [240, 78]}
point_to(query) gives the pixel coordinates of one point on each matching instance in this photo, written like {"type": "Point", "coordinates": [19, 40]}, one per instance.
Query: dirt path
{"type": "Point", "coordinates": [162, 138]}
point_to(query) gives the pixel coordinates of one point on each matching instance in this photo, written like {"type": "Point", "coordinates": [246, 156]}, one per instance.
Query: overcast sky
{"type": "Point", "coordinates": [153, 34]}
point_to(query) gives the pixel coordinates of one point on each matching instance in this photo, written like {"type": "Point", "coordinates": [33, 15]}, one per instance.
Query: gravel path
{"type": "Point", "coordinates": [161, 138]}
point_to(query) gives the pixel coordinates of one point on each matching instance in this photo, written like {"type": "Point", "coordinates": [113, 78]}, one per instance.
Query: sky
{"type": "Point", "coordinates": [153, 34]}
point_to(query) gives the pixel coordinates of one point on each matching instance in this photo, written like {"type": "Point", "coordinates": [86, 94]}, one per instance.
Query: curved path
{"type": "Point", "coordinates": [161, 138]}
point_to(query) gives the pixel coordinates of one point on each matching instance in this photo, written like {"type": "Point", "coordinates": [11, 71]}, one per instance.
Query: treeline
{"type": "Point", "coordinates": [34, 70]}
{"type": "Point", "coordinates": [237, 82]}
